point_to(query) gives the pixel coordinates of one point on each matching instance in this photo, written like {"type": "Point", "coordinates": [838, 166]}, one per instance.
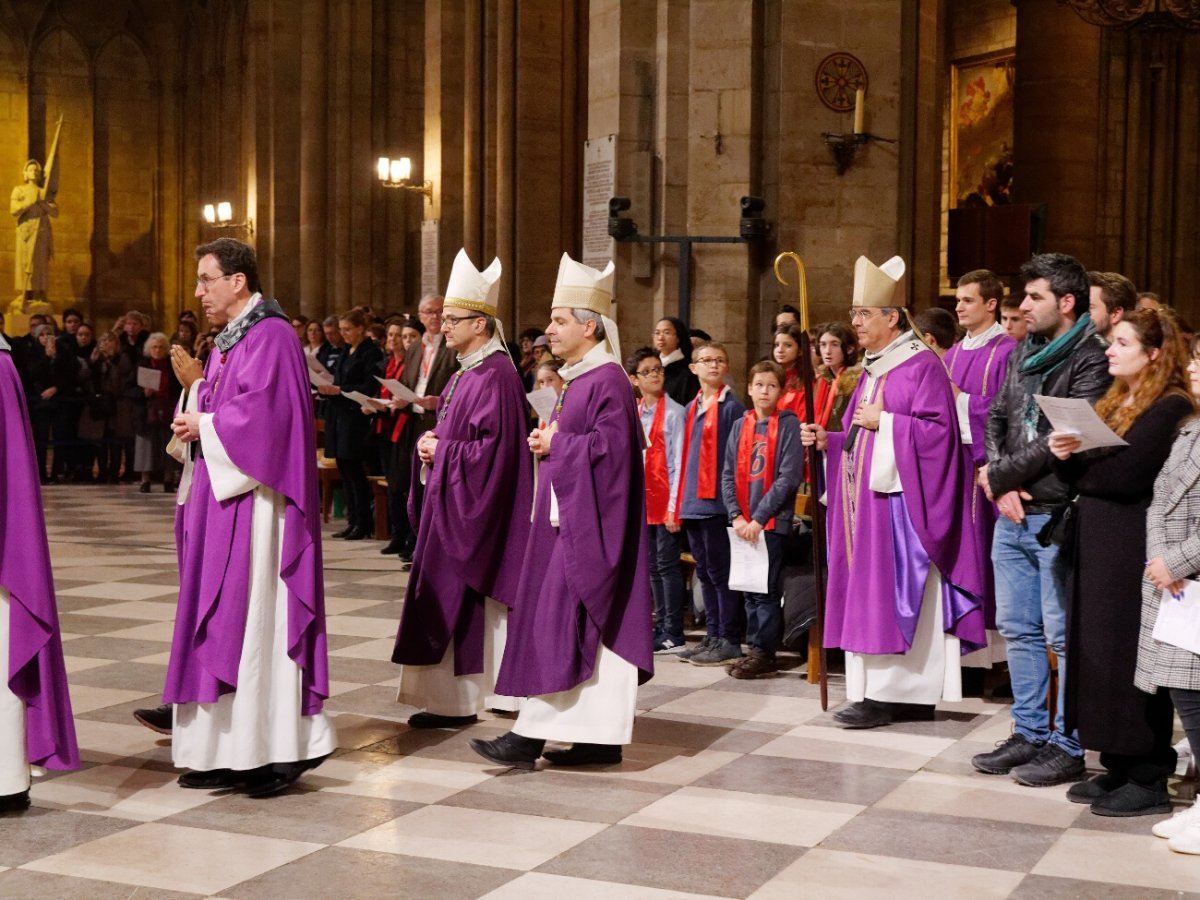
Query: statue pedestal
{"type": "Point", "coordinates": [17, 324]}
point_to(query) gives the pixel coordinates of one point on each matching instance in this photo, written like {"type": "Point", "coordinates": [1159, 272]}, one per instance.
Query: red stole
{"type": "Point", "coordinates": [706, 478]}
{"type": "Point", "coordinates": [658, 482]}
{"type": "Point", "coordinates": [395, 368]}
{"type": "Point", "coordinates": [746, 459]}
{"type": "Point", "coordinates": [826, 395]}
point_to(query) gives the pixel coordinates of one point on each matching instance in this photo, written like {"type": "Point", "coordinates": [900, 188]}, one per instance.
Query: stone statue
{"type": "Point", "coordinates": [33, 207]}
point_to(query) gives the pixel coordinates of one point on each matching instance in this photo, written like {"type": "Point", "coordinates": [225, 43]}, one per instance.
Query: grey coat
{"type": "Point", "coordinates": [1172, 532]}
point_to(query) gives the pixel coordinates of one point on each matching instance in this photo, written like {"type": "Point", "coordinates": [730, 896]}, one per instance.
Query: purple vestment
{"type": "Point", "coordinates": [36, 673]}
{"type": "Point", "coordinates": [258, 394]}
{"type": "Point", "coordinates": [474, 517]}
{"type": "Point", "coordinates": [880, 544]}
{"type": "Point", "coordinates": [586, 581]}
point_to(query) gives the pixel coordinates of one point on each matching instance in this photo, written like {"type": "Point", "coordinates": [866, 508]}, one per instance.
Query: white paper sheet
{"type": "Point", "coordinates": [1069, 415]}
{"type": "Point", "coordinates": [398, 390]}
{"type": "Point", "coordinates": [543, 401]}
{"type": "Point", "coordinates": [371, 403]}
{"type": "Point", "coordinates": [151, 379]}
{"type": "Point", "coordinates": [316, 365]}
{"type": "Point", "coordinates": [748, 564]}
{"type": "Point", "coordinates": [320, 378]}
{"type": "Point", "coordinates": [1179, 620]}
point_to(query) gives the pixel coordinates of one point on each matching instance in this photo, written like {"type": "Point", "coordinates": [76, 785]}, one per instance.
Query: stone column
{"type": "Point", "coordinates": [443, 127]}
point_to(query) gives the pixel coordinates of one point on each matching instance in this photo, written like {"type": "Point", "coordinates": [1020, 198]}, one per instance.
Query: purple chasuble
{"type": "Point", "coordinates": [258, 394]}
{"type": "Point", "coordinates": [474, 517]}
{"type": "Point", "coordinates": [980, 373]}
{"type": "Point", "coordinates": [36, 673]}
{"type": "Point", "coordinates": [881, 545]}
{"type": "Point", "coordinates": [586, 581]}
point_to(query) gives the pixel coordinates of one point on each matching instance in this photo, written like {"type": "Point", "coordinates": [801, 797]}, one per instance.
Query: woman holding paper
{"type": "Point", "coordinates": [1130, 729]}
{"type": "Point", "coordinates": [347, 430]}
{"type": "Point", "coordinates": [1173, 564]}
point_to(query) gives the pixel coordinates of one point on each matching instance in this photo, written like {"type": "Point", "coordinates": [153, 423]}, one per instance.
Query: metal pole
{"type": "Point", "coordinates": [685, 281]}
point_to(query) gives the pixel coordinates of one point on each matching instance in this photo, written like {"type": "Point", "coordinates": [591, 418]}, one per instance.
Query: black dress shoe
{"type": "Point", "coordinates": [356, 534]}
{"type": "Point", "coordinates": [433, 720]}
{"type": "Point", "coordinates": [393, 547]}
{"type": "Point", "coordinates": [864, 714]}
{"type": "Point", "coordinates": [585, 755]}
{"type": "Point", "coordinates": [159, 719]}
{"type": "Point", "coordinates": [280, 777]}
{"type": "Point", "coordinates": [15, 802]}
{"type": "Point", "coordinates": [510, 750]}
{"type": "Point", "coordinates": [1095, 788]}
{"type": "Point", "coordinates": [405, 557]}
{"type": "Point", "coordinates": [212, 780]}
{"type": "Point", "coordinates": [144, 487]}
{"type": "Point", "coordinates": [345, 531]}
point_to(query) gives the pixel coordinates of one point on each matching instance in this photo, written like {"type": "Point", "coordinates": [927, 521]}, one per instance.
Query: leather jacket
{"type": "Point", "coordinates": [1015, 461]}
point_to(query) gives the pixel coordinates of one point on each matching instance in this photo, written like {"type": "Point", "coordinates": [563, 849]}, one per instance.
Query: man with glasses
{"type": "Point", "coordinates": [474, 495]}
{"type": "Point", "coordinates": [248, 672]}
{"type": "Point", "coordinates": [906, 569]}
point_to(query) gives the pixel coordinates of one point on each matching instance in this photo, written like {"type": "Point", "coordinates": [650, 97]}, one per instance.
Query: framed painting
{"type": "Point", "coordinates": [981, 129]}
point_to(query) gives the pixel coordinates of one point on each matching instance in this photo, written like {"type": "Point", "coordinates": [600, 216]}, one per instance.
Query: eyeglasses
{"type": "Point", "coordinates": [712, 361]}
{"type": "Point", "coordinates": [453, 321]}
{"type": "Point", "coordinates": [863, 314]}
{"type": "Point", "coordinates": [648, 373]}
{"type": "Point", "coordinates": [663, 332]}
{"type": "Point", "coordinates": [205, 281]}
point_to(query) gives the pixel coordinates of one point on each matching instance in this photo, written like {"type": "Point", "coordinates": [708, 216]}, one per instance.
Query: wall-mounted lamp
{"type": "Point", "coordinates": [220, 215]}
{"type": "Point", "coordinates": [845, 146]}
{"type": "Point", "coordinates": [397, 173]}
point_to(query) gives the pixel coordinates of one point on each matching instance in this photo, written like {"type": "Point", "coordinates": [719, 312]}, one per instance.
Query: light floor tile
{"type": "Point", "coordinates": [1134, 859]}
{"type": "Point", "coordinates": [827, 750]}
{"type": "Point", "coordinates": [119, 590]}
{"type": "Point", "coordinates": [660, 764]}
{"type": "Point", "coordinates": [64, 557]}
{"type": "Point", "coordinates": [85, 699]}
{"type": "Point", "coordinates": [154, 659]}
{"type": "Point", "coordinates": [415, 778]}
{"type": "Point", "coordinates": [395, 579]}
{"type": "Point", "coordinates": [675, 673]}
{"type": "Point", "coordinates": [170, 857]}
{"type": "Point", "coordinates": [155, 631]}
{"type": "Point", "coordinates": [142, 795]}
{"type": "Point", "coordinates": [380, 649]}
{"type": "Point", "coordinates": [992, 729]}
{"type": "Point", "coordinates": [106, 741]}
{"type": "Point", "coordinates": [83, 663]}
{"type": "Point", "coordinates": [112, 573]}
{"type": "Point", "coordinates": [982, 797]}
{"type": "Point", "coordinates": [540, 886]}
{"type": "Point", "coordinates": [339, 606]}
{"type": "Point", "coordinates": [921, 744]}
{"type": "Point", "coordinates": [751, 707]}
{"type": "Point", "coordinates": [359, 626]}
{"type": "Point", "coordinates": [508, 840]}
{"type": "Point", "coordinates": [136, 609]}
{"type": "Point", "coordinates": [838, 875]}
{"type": "Point", "coordinates": [756, 817]}
{"type": "Point", "coordinates": [974, 705]}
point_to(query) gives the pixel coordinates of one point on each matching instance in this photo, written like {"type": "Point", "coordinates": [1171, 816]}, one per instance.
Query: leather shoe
{"type": "Point", "coordinates": [212, 780]}
{"type": "Point", "coordinates": [160, 719]}
{"type": "Point", "coordinates": [356, 534]}
{"type": "Point", "coordinates": [393, 547]}
{"type": "Point", "coordinates": [510, 750]}
{"type": "Point", "coordinates": [15, 802]}
{"type": "Point", "coordinates": [585, 755]}
{"type": "Point", "coordinates": [864, 714]}
{"type": "Point", "coordinates": [433, 720]}
{"type": "Point", "coordinates": [345, 531]}
{"type": "Point", "coordinates": [278, 777]}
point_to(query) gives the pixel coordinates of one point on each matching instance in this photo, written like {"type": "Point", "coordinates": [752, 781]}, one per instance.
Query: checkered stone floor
{"type": "Point", "coordinates": [730, 789]}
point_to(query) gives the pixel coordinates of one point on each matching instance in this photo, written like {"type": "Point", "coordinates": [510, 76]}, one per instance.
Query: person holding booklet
{"type": "Point", "coordinates": [1131, 729]}
{"type": "Point", "coordinates": [764, 464]}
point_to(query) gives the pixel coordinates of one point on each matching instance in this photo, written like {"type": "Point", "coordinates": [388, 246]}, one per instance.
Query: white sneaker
{"type": "Point", "coordinates": [1187, 841]}
{"type": "Point", "coordinates": [1183, 820]}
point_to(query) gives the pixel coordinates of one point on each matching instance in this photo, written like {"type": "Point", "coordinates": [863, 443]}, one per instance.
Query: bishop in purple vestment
{"type": "Point", "coordinates": [473, 517]}
{"type": "Point", "coordinates": [248, 668]}
{"type": "Point", "coordinates": [35, 710]}
{"type": "Point", "coordinates": [580, 634]}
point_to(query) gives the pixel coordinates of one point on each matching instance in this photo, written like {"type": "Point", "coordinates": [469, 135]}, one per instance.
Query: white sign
{"type": "Point", "coordinates": [599, 184]}
{"type": "Point", "coordinates": [429, 257]}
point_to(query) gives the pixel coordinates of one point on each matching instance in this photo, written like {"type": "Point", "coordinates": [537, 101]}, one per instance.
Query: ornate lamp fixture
{"type": "Point", "coordinates": [1138, 13]}
{"type": "Point", "coordinates": [397, 173]}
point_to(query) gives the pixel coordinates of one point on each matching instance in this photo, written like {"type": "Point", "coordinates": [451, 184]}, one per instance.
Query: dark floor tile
{"type": "Point", "coordinates": [76, 604]}
{"type": "Point", "coordinates": [362, 671]}
{"type": "Point", "coordinates": [22, 884]}
{"type": "Point", "coordinates": [651, 695]}
{"type": "Point", "coordinates": [129, 676]}
{"type": "Point", "coordinates": [670, 860]}
{"type": "Point", "coordinates": [342, 872]}
{"type": "Point", "coordinates": [701, 733]}
{"type": "Point", "coordinates": [389, 610]}
{"type": "Point", "coordinates": [984, 843]}
{"type": "Point", "coordinates": [1042, 887]}
{"type": "Point", "coordinates": [376, 700]}
{"type": "Point", "coordinates": [811, 779]}
{"type": "Point", "coordinates": [301, 814]}
{"type": "Point", "coordinates": [113, 647]}
{"type": "Point", "coordinates": [561, 795]}
{"type": "Point", "coordinates": [39, 832]}
{"type": "Point", "coordinates": [342, 641]}
{"type": "Point", "coordinates": [81, 623]}
{"type": "Point", "coordinates": [122, 713]}
{"type": "Point", "coordinates": [168, 576]}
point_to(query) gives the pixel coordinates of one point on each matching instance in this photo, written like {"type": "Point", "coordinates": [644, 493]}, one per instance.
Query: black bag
{"type": "Point", "coordinates": [1060, 527]}
{"type": "Point", "coordinates": [101, 406]}
{"type": "Point", "coordinates": [799, 588]}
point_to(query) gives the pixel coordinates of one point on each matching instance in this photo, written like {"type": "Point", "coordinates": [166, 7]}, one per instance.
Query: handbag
{"type": "Point", "coordinates": [1059, 529]}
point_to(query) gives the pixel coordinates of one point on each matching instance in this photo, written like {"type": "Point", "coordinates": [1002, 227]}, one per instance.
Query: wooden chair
{"type": "Point", "coordinates": [327, 474]}
{"type": "Point", "coordinates": [379, 488]}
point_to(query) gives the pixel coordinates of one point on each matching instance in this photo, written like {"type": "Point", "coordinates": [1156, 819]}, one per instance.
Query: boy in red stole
{"type": "Point", "coordinates": [764, 463]}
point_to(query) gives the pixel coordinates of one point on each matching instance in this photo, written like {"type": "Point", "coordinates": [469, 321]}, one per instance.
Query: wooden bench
{"type": "Point", "coordinates": [327, 474]}
{"type": "Point", "coordinates": [379, 487]}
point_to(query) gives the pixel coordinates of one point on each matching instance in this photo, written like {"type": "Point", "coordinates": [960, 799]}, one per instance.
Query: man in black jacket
{"type": "Point", "coordinates": [1061, 357]}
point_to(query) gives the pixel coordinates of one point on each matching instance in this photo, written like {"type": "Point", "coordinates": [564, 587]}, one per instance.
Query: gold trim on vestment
{"type": "Point", "coordinates": [480, 306]}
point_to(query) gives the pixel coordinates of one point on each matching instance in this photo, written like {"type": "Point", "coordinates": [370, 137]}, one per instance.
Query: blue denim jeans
{"type": "Point", "coordinates": [1031, 614]}
{"type": "Point", "coordinates": [709, 543]}
{"type": "Point", "coordinates": [764, 612]}
{"type": "Point", "coordinates": [666, 581]}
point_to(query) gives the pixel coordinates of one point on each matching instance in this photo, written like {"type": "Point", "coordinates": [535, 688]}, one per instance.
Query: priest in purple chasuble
{"type": "Point", "coordinates": [977, 365]}
{"type": "Point", "coordinates": [248, 669]}
{"type": "Point", "coordinates": [580, 633]}
{"type": "Point", "coordinates": [472, 497]}
{"type": "Point", "coordinates": [36, 728]}
{"type": "Point", "coordinates": [906, 569]}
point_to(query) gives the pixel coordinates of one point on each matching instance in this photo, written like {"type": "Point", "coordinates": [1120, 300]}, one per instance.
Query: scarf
{"type": "Point", "coordinates": [748, 460]}
{"type": "Point", "coordinates": [706, 478]}
{"type": "Point", "coordinates": [658, 483]}
{"type": "Point", "coordinates": [237, 329]}
{"type": "Point", "coordinates": [395, 368]}
{"type": "Point", "coordinates": [1047, 357]}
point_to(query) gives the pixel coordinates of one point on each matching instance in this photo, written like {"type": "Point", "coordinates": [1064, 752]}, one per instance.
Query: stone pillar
{"type": "Point", "coordinates": [443, 127]}
{"type": "Point", "coordinates": [314, 162]}
{"type": "Point", "coordinates": [506, 153]}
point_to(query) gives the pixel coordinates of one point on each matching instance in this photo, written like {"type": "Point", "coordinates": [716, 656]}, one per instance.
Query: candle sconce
{"type": "Point", "coordinates": [845, 146]}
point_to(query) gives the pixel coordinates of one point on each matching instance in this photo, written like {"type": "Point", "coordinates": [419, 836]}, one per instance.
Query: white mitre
{"type": "Point", "coordinates": [468, 288]}
{"type": "Point", "coordinates": [582, 287]}
{"type": "Point", "coordinates": [878, 287]}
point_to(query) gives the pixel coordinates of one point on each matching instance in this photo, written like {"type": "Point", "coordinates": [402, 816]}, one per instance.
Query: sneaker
{"type": "Point", "coordinates": [1014, 751]}
{"type": "Point", "coordinates": [1095, 788]}
{"type": "Point", "coordinates": [1187, 841]}
{"type": "Point", "coordinates": [686, 655]}
{"type": "Point", "coordinates": [1133, 799]}
{"type": "Point", "coordinates": [1178, 823]}
{"type": "Point", "coordinates": [1053, 765]}
{"type": "Point", "coordinates": [719, 652]}
{"type": "Point", "coordinates": [666, 644]}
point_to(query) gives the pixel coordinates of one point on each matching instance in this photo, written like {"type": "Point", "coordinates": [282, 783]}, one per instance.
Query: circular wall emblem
{"type": "Point", "coordinates": [839, 75]}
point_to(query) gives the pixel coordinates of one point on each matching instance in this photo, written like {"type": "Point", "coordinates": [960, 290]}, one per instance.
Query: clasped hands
{"type": "Point", "coordinates": [187, 368]}
{"type": "Point", "coordinates": [427, 447]}
{"type": "Point", "coordinates": [747, 529]}
{"type": "Point", "coordinates": [540, 438]}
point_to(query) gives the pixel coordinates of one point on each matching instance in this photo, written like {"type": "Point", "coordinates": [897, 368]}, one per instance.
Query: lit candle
{"type": "Point", "coordinates": [858, 111]}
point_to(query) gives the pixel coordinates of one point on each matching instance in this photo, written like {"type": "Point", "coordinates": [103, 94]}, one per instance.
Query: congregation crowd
{"type": "Point", "coordinates": [963, 530]}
